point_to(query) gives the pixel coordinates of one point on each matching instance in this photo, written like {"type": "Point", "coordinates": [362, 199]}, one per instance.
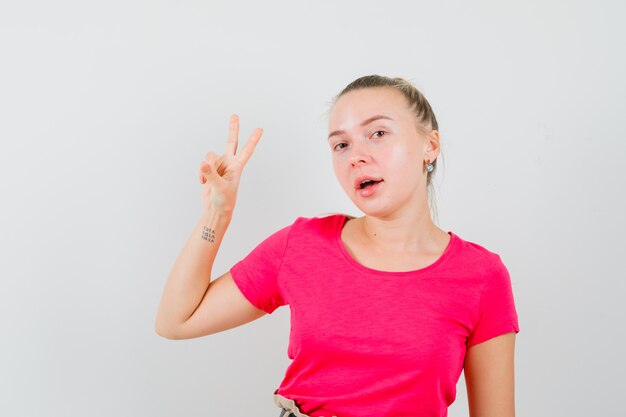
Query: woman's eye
{"type": "Point", "coordinates": [379, 131]}
{"type": "Point", "coordinates": [335, 148]}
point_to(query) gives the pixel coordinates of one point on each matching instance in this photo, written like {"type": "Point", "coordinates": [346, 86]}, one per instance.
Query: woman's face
{"type": "Point", "coordinates": [373, 134]}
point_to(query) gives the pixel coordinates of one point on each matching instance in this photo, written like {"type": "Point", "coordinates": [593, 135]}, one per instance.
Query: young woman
{"type": "Point", "coordinates": [386, 309]}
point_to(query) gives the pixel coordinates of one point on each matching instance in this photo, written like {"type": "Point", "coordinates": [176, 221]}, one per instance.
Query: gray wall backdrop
{"type": "Point", "coordinates": [107, 109]}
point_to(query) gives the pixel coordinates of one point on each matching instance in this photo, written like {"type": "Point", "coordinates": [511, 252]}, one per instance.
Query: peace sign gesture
{"type": "Point", "coordinates": [220, 174]}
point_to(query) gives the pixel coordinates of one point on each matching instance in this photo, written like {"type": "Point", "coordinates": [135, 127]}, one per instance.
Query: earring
{"type": "Point", "coordinates": [429, 166]}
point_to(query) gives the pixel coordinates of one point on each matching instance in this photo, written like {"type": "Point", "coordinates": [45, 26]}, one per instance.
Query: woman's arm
{"type": "Point", "coordinates": [189, 281]}
{"type": "Point", "coordinates": [191, 274]}
{"type": "Point", "coordinates": [489, 377]}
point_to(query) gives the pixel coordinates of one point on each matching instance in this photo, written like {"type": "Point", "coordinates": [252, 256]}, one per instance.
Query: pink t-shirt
{"type": "Point", "coordinates": [370, 343]}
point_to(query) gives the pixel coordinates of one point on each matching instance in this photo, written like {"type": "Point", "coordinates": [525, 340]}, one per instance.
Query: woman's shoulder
{"type": "Point", "coordinates": [323, 223]}
{"type": "Point", "coordinates": [476, 253]}
{"type": "Point", "coordinates": [323, 218]}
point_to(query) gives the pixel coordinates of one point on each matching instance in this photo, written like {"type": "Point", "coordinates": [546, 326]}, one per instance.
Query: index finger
{"type": "Point", "coordinates": [233, 132]}
{"type": "Point", "coordinates": [245, 153]}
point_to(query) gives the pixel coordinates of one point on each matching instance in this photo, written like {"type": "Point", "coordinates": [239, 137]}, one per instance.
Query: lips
{"type": "Point", "coordinates": [359, 180]}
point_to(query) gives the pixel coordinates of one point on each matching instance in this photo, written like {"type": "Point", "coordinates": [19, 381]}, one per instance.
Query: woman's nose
{"type": "Point", "coordinates": [358, 155]}
{"type": "Point", "coordinates": [357, 160]}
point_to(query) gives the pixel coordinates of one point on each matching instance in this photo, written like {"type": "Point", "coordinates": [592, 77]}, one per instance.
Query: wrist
{"type": "Point", "coordinates": [215, 218]}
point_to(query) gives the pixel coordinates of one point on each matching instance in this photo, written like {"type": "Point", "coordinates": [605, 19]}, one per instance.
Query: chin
{"type": "Point", "coordinates": [374, 210]}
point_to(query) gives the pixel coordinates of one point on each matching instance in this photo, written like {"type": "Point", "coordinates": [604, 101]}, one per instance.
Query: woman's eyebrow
{"type": "Point", "coordinates": [363, 123]}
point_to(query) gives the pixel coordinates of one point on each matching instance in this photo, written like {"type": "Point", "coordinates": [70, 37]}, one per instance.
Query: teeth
{"type": "Point", "coordinates": [365, 182]}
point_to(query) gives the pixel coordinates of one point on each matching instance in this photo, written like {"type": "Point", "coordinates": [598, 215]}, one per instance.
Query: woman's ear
{"type": "Point", "coordinates": [431, 145]}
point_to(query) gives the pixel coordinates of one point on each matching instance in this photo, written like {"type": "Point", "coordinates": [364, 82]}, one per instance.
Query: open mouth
{"type": "Point", "coordinates": [368, 183]}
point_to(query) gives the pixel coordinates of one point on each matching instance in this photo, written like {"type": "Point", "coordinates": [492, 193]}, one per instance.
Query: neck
{"type": "Point", "coordinates": [410, 231]}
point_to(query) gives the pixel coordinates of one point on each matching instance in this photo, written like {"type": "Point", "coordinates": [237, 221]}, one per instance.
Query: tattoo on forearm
{"type": "Point", "coordinates": [208, 234]}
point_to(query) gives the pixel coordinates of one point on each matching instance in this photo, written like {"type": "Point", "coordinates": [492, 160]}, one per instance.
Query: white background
{"type": "Point", "coordinates": [107, 109]}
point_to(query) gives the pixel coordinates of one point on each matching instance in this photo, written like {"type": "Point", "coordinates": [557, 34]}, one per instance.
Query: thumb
{"type": "Point", "coordinates": [206, 172]}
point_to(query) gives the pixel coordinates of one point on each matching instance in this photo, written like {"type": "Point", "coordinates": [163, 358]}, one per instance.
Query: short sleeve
{"type": "Point", "coordinates": [256, 275]}
{"type": "Point", "coordinates": [497, 313]}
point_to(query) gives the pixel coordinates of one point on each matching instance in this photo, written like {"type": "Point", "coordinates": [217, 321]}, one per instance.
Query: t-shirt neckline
{"type": "Point", "coordinates": [341, 219]}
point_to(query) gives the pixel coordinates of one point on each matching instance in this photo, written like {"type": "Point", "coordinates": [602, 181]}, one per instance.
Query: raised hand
{"type": "Point", "coordinates": [220, 175]}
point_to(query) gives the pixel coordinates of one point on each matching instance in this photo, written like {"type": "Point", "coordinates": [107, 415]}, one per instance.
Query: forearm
{"type": "Point", "coordinates": [191, 274]}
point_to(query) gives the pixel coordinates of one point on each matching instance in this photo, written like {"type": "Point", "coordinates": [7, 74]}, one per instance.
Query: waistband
{"type": "Point", "coordinates": [288, 406]}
